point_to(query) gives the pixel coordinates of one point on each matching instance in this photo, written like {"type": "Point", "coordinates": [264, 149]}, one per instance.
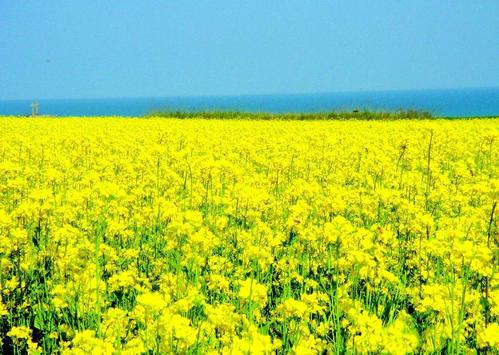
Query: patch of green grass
{"type": "Point", "coordinates": [333, 115]}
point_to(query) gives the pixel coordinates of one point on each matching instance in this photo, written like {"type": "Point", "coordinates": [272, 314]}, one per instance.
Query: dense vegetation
{"type": "Point", "coordinates": [232, 236]}
{"type": "Point", "coordinates": [333, 115]}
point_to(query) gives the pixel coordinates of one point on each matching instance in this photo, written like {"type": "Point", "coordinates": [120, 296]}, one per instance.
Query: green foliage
{"type": "Point", "coordinates": [364, 115]}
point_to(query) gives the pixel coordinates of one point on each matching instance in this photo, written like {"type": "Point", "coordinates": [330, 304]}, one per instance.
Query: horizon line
{"type": "Point", "coordinates": [253, 95]}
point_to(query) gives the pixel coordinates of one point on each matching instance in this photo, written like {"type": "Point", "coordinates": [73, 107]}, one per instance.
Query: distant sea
{"type": "Point", "coordinates": [442, 102]}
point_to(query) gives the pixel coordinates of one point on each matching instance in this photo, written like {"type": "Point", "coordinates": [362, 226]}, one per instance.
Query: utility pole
{"type": "Point", "coordinates": [34, 108]}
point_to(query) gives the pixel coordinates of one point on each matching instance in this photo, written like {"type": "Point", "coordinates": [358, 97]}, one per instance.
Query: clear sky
{"type": "Point", "coordinates": [125, 48]}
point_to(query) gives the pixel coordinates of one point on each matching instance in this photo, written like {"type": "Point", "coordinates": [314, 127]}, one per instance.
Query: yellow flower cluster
{"type": "Point", "coordinates": [121, 235]}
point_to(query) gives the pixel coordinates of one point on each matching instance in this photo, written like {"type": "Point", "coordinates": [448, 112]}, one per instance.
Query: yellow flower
{"type": "Point", "coordinates": [252, 342]}
{"type": "Point", "coordinates": [489, 336]}
{"type": "Point", "coordinates": [176, 332]}
{"type": "Point", "coordinates": [85, 342]}
{"type": "Point", "coordinates": [152, 301]}
{"type": "Point", "coordinates": [3, 310]}
{"type": "Point", "coordinates": [292, 308]}
{"type": "Point", "coordinates": [253, 291]}
{"type": "Point", "coordinates": [218, 283]}
{"type": "Point", "coordinates": [21, 332]}
{"type": "Point", "coordinates": [123, 280]}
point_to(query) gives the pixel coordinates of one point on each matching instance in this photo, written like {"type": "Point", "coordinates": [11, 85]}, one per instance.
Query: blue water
{"type": "Point", "coordinates": [445, 102]}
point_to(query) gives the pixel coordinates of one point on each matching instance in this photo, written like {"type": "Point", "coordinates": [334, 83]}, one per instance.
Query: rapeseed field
{"type": "Point", "coordinates": [127, 236]}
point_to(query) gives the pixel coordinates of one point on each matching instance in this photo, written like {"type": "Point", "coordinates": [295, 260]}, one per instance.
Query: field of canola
{"type": "Point", "coordinates": [248, 237]}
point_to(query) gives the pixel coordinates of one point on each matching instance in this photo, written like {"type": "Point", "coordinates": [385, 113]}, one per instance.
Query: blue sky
{"type": "Point", "coordinates": [91, 49]}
